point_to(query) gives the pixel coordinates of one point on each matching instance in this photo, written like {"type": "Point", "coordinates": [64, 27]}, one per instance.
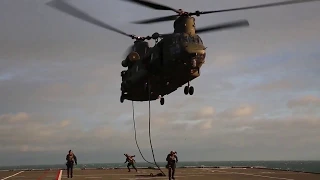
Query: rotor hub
{"type": "Point", "coordinates": [181, 12]}
{"type": "Point", "coordinates": [197, 13]}
{"type": "Point", "coordinates": [155, 35]}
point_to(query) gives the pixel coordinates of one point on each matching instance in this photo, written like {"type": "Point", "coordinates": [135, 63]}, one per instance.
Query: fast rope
{"type": "Point", "coordinates": [135, 135]}
{"type": "Point", "coordinates": [154, 159]}
{"type": "Point", "coordinates": [135, 132]}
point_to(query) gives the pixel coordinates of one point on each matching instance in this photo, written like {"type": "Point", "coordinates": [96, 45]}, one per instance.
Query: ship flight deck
{"type": "Point", "coordinates": [181, 173]}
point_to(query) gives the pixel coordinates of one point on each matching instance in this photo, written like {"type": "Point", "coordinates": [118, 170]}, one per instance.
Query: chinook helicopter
{"type": "Point", "coordinates": [174, 60]}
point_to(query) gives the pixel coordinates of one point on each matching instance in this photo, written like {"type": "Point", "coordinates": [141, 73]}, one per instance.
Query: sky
{"type": "Point", "coordinates": [257, 98]}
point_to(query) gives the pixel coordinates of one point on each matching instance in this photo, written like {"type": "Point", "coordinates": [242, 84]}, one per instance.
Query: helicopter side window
{"type": "Point", "coordinates": [185, 39]}
{"type": "Point", "coordinates": [175, 40]}
{"type": "Point", "coordinates": [196, 39]}
{"type": "Point", "coordinates": [178, 39]}
{"type": "Point", "coordinates": [175, 47]}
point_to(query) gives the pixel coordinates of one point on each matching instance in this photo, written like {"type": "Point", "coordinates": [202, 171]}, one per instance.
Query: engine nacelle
{"type": "Point", "coordinates": [124, 63]}
{"type": "Point", "coordinates": [133, 56]}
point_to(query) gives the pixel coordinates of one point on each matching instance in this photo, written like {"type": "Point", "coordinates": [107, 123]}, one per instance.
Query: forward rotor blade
{"type": "Point", "coordinates": [128, 50]}
{"type": "Point", "coordinates": [152, 5]}
{"type": "Point", "coordinates": [259, 6]}
{"type": "Point", "coordinates": [229, 25]}
{"type": "Point", "coordinates": [73, 11]}
{"type": "Point", "coordinates": [159, 19]}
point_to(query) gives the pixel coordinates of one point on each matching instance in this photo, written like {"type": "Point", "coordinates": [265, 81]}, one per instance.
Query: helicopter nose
{"type": "Point", "coordinates": [195, 49]}
{"type": "Point", "coordinates": [195, 55]}
{"type": "Point", "coordinates": [196, 52]}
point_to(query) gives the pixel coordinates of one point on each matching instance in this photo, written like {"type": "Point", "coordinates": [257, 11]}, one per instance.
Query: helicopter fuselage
{"type": "Point", "coordinates": [171, 63]}
{"type": "Point", "coordinates": [174, 61]}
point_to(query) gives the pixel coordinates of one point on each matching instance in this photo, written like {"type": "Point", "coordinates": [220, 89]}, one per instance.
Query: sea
{"type": "Point", "coordinates": [303, 166]}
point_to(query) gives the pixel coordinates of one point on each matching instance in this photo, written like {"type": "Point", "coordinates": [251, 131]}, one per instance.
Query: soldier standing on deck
{"type": "Point", "coordinates": [71, 160]}
{"type": "Point", "coordinates": [131, 162]}
{"type": "Point", "coordinates": [172, 159]}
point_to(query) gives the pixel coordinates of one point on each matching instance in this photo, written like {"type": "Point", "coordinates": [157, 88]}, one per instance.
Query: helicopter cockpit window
{"type": "Point", "coordinates": [192, 39]}
{"type": "Point", "coordinates": [195, 39]}
{"type": "Point", "coordinates": [198, 39]}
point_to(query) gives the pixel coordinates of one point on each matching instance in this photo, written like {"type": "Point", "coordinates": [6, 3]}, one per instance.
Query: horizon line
{"type": "Point", "coordinates": [158, 162]}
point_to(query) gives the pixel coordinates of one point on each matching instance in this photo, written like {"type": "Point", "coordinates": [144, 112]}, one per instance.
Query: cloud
{"type": "Point", "coordinates": [204, 125]}
{"type": "Point", "coordinates": [234, 128]}
{"type": "Point", "coordinates": [206, 112]}
{"type": "Point", "coordinates": [203, 113]}
{"type": "Point", "coordinates": [238, 112]}
{"type": "Point", "coordinates": [64, 123]}
{"type": "Point", "coordinates": [305, 101]}
{"type": "Point", "coordinates": [34, 132]}
{"type": "Point", "coordinates": [14, 118]}
{"type": "Point", "coordinates": [223, 60]}
{"type": "Point", "coordinates": [283, 84]}
{"type": "Point", "coordinates": [305, 106]}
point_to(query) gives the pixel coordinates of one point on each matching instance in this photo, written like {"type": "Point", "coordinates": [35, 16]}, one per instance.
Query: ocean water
{"type": "Point", "coordinates": [306, 166]}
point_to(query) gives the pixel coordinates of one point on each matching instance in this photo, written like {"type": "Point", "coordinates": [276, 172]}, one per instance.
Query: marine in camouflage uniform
{"type": "Point", "coordinates": [131, 162]}
{"type": "Point", "coordinates": [172, 159]}
{"type": "Point", "coordinates": [71, 160]}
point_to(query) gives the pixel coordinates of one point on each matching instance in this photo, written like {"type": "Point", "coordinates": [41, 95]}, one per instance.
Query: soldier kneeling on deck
{"type": "Point", "coordinates": [71, 160]}
{"type": "Point", "coordinates": [172, 159]}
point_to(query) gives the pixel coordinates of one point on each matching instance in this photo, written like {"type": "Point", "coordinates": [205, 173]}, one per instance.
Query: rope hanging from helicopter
{"type": "Point", "coordinates": [135, 132]}
{"type": "Point", "coordinates": [154, 159]}
{"type": "Point", "coordinates": [149, 119]}
{"type": "Point", "coordinates": [135, 135]}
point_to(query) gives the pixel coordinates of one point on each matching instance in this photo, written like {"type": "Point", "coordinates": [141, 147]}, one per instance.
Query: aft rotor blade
{"type": "Point", "coordinates": [229, 25]}
{"type": "Point", "coordinates": [159, 19]}
{"type": "Point", "coordinates": [73, 11]}
{"type": "Point", "coordinates": [128, 50]}
{"type": "Point", "coordinates": [259, 6]}
{"type": "Point", "coordinates": [153, 5]}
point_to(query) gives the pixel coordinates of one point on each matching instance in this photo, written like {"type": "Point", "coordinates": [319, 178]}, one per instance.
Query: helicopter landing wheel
{"type": "Point", "coordinates": [191, 90]}
{"type": "Point", "coordinates": [162, 101]}
{"type": "Point", "coordinates": [186, 90]}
